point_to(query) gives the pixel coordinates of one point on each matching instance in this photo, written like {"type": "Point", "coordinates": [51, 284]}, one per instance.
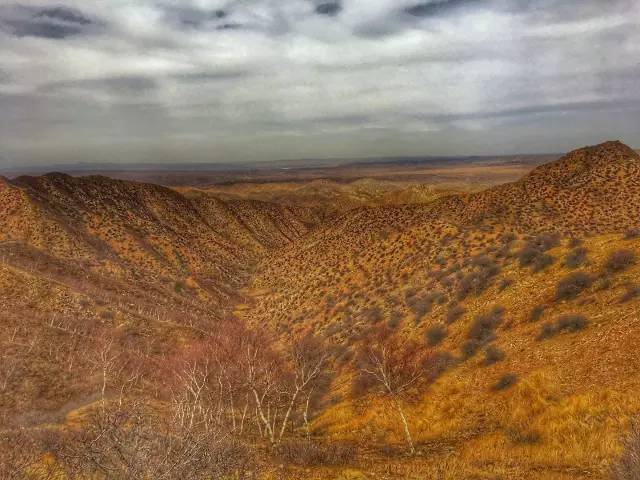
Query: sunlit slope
{"type": "Point", "coordinates": [528, 290]}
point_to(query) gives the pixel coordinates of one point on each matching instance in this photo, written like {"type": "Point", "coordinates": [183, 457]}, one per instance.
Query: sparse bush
{"type": "Point", "coordinates": [627, 467]}
{"type": "Point", "coordinates": [470, 348]}
{"type": "Point", "coordinates": [454, 313]}
{"type": "Point", "coordinates": [420, 306]}
{"type": "Point", "coordinates": [566, 323]}
{"type": "Point", "coordinates": [572, 285]}
{"type": "Point", "coordinates": [548, 330]}
{"type": "Point", "coordinates": [571, 323]}
{"type": "Point", "coordinates": [574, 242]}
{"type": "Point", "coordinates": [576, 257]}
{"type": "Point", "coordinates": [523, 437]}
{"type": "Point", "coordinates": [545, 241]}
{"type": "Point", "coordinates": [504, 283]}
{"type": "Point", "coordinates": [478, 280]}
{"type": "Point", "coordinates": [373, 315]}
{"type": "Point", "coordinates": [493, 355]}
{"type": "Point", "coordinates": [506, 381]}
{"type": "Point", "coordinates": [484, 325]}
{"type": "Point", "coordinates": [633, 291]}
{"type": "Point", "coordinates": [394, 319]}
{"type": "Point", "coordinates": [620, 260]}
{"type": "Point", "coordinates": [435, 335]}
{"type": "Point", "coordinates": [532, 257]}
{"type": "Point", "coordinates": [313, 453]}
{"type": "Point", "coordinates": [536, 313]}
{"type": "Point", "coordinates": [632, 233]}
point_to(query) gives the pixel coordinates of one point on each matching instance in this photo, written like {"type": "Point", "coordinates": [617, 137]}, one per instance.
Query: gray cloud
{"type": "Point", "coordinates": [57, 22]}
{"type": "Point", "coordinates": [231, 80]}
{"type": "Point", "coordinates": [440, 7]}
{"type": "Point", "coordinates": [328, 8]}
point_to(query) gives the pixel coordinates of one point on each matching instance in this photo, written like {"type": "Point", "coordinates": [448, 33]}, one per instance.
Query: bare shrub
{"type": "Point", "coordinates": [506, 381]}
{"type": "Point", "coordinates": [484, 325]}
{"type": "Point", "coordinates": [633, 291]}
{"type": "Point", "coordinates": [620, 260]}
{"type": "Point", "coordinates": [454, 312]}
{"type": "Point", "coordinates": [504, 284]}
{"type": "Point", "coordinates": [493, 355]}
{"type": "Point", "coordinates": [435, 335]}
{"type": "Point", "coordinates": [134, 442]}
{"type": "Point", "coordinates": [632, 233]}
{"type": "Point", "coordinates": [566, 323]}
{"type": "Point", "coordinates": [534, 258]}
{"type": "Point", "coordinates": [479, 279]}
{"type": "Point", "coordinates": [572, 285]}
{"type": "Point", "coordinates": [313, 453]}
{"type": "Point", "coordinates": [574, 242]}
{"type": "Point", "coordinates": [20, 457]}
{"type": "Point", "coordinates": [576, 258]}
{"type": "Point", "coordinates": [536, 313]}
{"type": "Point", "coordinates": [627, 467]}
{"type": "Point", "coordinates": [482, 331]}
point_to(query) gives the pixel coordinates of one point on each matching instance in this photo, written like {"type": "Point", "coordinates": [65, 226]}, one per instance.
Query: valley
{"type": "Point", "coordinates": [453, 321]}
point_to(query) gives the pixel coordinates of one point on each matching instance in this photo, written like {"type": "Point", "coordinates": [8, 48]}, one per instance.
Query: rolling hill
{"type": "Point", "coordinates": [524, 297]}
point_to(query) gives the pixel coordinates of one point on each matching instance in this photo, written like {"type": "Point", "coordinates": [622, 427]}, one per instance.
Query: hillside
{"type": "Point", "coordinates": [240, 332]}
{"type": "Point", "coordinates": [90, 258]}
{"type": "Point", "coordinates": [431, 272]}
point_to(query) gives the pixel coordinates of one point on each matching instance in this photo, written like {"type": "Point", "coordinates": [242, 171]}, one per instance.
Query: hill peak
{"type": "Point", "coordinates": [588, 164]}
{"type": "Point", "coordinates": [612, 148]}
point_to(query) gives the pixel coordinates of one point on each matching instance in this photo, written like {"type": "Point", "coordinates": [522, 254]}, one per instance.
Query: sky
{"type": "Point", "coordinates": [171, 81]}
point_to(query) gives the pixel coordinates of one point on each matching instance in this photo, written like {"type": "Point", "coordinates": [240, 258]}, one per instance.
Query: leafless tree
{"type": "Point", "coordinates": [391, 366]}
{"type": "Point", "coordinates": [308, 359]}
{"type": "Point", "coordinates": [138, 442]}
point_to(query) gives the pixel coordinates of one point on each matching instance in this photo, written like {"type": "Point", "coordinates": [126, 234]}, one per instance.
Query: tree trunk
{"type": "Point", "coordinates": [286, 416]}
{"type": "Point", "coordinates": [405, 425]}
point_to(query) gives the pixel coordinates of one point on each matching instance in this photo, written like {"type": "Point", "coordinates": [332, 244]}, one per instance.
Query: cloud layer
{"type": "Point", "coordinates": [216, 80]}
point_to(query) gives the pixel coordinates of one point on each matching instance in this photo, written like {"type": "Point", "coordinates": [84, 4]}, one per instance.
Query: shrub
{"type": "Point", "coordinates": [620, 260]}
{"type": "Point", "coordinates": [571, 323]}
{"type": "Point", "coordinates": [504, 283]}
{"type": "Point", "coordinates": [506, 381]}
{"type": "Point", "coordinates": [548, 330]}
{"type": "Point", "coordinates": [436, 334]}
{"type": "Point", "coordinates": [523, 437]}
{"type": "Point", "coordinates": [470, 348]}
{"type": "Point", "coordinates": [484, 325]}
{"type": "Point", "coordinates": [373, 315]}
{"type": "Point", "coordinates": [566, 323]}
{"type": "Point", "coordinates": [633, 291]}
{"type": "Point", "coordinates": [576, 257]}
{"type": "Point", "coordinates": [493, 355]}
{"type": "Point", "coordinates": [454, 312]}
{"type": "Point", "coordinates": [536, 313]}
{"type": "Point", "coordinates": [574, 242]}
{"type": "Point", "coordinates": [479, 279]}
{"type": "Point", "coordinates": [572, 285]}
{"type": "Point", "coordinates": [632, 233]}
{"type": "Point", "coordinates": [546, 241]}
{"type": "Point", "coordinates": [627, 467]}
{"type": "Point", "coordinates": [536, 259]}
{"type": "Point", "coordinates": [309, 452]}
{"type": "Point", "coordinates": [420, 306]}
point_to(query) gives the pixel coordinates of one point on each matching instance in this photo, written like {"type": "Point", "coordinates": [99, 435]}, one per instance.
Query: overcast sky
{"type": "Point", "coordinates": [216, 80]}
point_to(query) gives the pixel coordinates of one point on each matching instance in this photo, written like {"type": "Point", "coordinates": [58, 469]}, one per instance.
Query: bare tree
{"type": "Point", "coordinates": [138, 442]}
{"type": "Point", "coordinates": [308, 357]}
{"type": "Point", "coordinates": [391, 366]}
